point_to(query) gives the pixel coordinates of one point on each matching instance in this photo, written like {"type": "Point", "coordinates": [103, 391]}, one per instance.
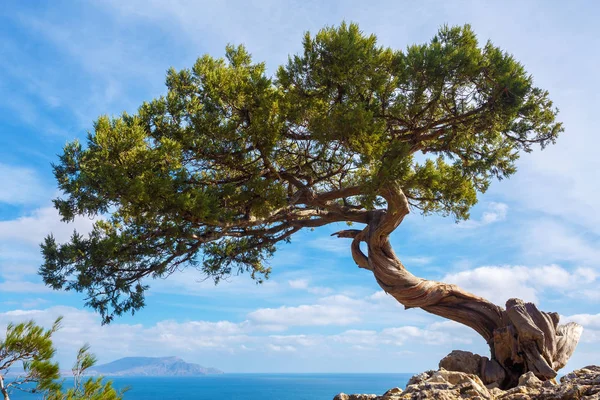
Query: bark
{"type": "Point", "coordinates": [3, 389]}
{"type": "Point", "coordinates": [521, 337]}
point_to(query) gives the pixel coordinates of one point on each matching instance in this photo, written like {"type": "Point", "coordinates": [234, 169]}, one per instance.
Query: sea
{"type": "Point", "coordinates": [250, 386]}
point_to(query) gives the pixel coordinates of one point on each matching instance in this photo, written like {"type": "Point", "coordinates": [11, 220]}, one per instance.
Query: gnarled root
{"type": "Point", "coordinates": [531, 341]}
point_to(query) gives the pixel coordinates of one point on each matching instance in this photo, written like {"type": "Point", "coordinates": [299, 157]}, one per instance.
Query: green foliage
{"type": "Point", "coordinates": [90, 389]}
{"type": "Point", "coordinates": [30, 346]}
{"type": "Point", "coordinates": [231, 162]}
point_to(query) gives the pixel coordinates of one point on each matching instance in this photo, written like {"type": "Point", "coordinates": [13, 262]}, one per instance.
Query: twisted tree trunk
{"type": "Point", "coordinates": [521, 338]}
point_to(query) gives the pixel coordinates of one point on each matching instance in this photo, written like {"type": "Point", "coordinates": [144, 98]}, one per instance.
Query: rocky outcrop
{"type": "Point", "coordinates": [582, 384]}
{"type": "Point", "coordinates": [489, 371]}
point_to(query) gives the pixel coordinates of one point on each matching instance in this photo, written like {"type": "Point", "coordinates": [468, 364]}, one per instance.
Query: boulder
{"type": "Point", "coordinates": [461, 361]}
{"type": "Point", "coordinates": [529, 380]}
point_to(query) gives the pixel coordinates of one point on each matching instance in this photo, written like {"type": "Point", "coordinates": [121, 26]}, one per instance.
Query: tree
{"type": "Point", "coordinates": [231, 163]}
{"type": "Point", "coordinates": [90, 389]}
{"type": "Point", "coordinates": [29, 346]}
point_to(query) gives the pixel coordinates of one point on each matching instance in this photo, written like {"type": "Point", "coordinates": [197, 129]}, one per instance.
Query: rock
{"type": "Point", "coordinates": [530, 380]}
{"type": "Point", "coordinates": [461, 361]}
{"type": "Point", "coordinates": [420, 377]}
{"type": "Point", "coordinates": [392, 394]}
{"type": "Point", "coordinates": [448, 385]}
{"type": "Point", "coordinates": [489, 371]}
{"type": "Point", "coordinates": [589, 375]}
{"type": "Point", "coordinates": [341, 396]}
{"type": "Point", "coordinates": [344, 396]}
{"type": "Point", "coordinates": [582, 384]}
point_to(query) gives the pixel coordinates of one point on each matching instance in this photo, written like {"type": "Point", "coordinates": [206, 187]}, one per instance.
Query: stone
{"type": "Point", "coordinates": [461, 361]}
{"type": "Point", "coordinates": [392, 394]}
{"type": "Point", "coordinates": [530, 380]}
{"type": "Point", "coordinates": [415, 379]}
{"type": "Point", "coordinates": [582, 384]}
{"type": "Point", "coordinates": [447, 385]}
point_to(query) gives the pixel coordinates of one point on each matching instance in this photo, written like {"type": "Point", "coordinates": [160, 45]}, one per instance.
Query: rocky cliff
{"type": "Point", "coordinates": [581, 384]}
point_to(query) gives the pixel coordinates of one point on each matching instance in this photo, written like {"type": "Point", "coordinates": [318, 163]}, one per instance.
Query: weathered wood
{"type": "Point", "coordinates": [521, 337]}
{"type": "Point", "coordinates": [567, 338]}
{"type": "Point", "coordinates": [491, 371]}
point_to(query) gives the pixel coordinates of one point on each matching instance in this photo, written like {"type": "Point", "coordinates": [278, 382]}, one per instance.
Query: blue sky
{"type": "Point", "coordinates": [535, 236]}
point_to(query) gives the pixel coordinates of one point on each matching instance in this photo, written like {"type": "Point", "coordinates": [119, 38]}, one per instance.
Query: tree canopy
{"type": "Point", "coordinates": [231, 162]}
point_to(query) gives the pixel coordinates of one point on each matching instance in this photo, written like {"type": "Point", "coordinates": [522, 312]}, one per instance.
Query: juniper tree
{"type": "Point", "coordinates": [231, 163]}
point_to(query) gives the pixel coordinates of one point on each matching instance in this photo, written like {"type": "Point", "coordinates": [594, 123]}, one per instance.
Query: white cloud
{"type": "Point", "coordinates": [585, 320]}
{"type": "Point", "coordinates": [499, 283]}
{"type": "Point", "coordinates": [590, 323]}
{"type": "Point", "coordinates": [495, 212]}
{"type": "Point", "coordinates": [12, 272]}
{"type": "Point", "coordinates": [364, 338]}
{"type": "Point", "coordinates": [549, 240]}
{"type": "Point", "coordinates": [305, 315]}
{"type": "Point", "coordinates": [19, 247]}
{"type": "Point", "coordinates": [590, 336]}
{"type": "Point", "coordinates": [416, 260]}
{"type": "Point", "coordinates": [277, 348]}
{"type": "Point", "coordinates": [298, 283]}
{"type": "Point", "coordinates": [19, 286]}
{"type": "Point", "coordinates": [379, 295]}
{"type": "Point", "coordinates": [21, 186]}
{"type": "Point", "coordinates": [304, 284]}
{"type": "Point", "coordinates": [193, 339]}
{"type": "Point", "coordinates": [298, 340]}
{"type": "Point", "coordinates": [119, 339]}
{"type": "Point", "coordinates": [339, 310]}
{"type": "Point", "coordinates": [401, 335]}
{"type": "Point", "coordinates": [32, 229]}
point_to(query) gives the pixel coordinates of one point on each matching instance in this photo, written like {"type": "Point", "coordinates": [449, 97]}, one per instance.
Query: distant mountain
{"type": "Point", "coordinates": [152, 366]}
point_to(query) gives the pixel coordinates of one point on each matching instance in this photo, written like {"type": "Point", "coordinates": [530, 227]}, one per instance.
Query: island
{"type": "Point", "coordinates": [152, 366]}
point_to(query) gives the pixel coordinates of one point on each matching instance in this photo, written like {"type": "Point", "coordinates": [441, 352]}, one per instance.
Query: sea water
{"type": "Point", "coordinates": [251, 386]}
